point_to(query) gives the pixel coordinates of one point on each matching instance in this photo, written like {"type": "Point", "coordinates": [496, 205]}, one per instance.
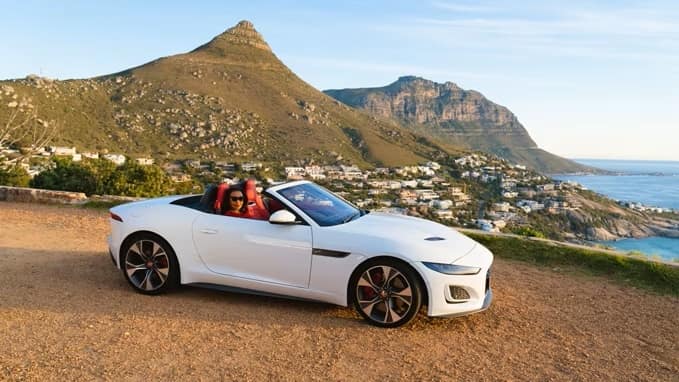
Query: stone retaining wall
{"type": "Point", "coordinates": [32, 195]}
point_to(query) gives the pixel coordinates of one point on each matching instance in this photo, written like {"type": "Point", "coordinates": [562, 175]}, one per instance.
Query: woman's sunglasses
{"type": "Point", "coordinates": [236, 198]}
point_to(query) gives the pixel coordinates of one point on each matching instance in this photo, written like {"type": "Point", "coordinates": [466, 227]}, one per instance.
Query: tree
{"type": "Point", "coordinates": [66, 175]}
{"type": "Point", "coordinates": [132, 179]}
{"type": "Point", "coordinates": [102, 170]}
{"type": "Point", "coordinates": [20, 124]}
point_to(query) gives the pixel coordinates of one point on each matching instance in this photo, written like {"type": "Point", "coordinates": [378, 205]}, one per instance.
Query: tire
{"type": "Point", "coordinates": [149, 264]}
{"type": "Point", "coordinates": [390, 301]}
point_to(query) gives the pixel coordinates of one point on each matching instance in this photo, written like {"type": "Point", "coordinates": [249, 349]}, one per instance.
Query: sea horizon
{"type": "Point", "coordinates": [633, 166]}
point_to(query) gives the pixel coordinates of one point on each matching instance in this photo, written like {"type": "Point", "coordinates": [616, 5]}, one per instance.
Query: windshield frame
{"type": "Point", "coordinates": [346, 211]}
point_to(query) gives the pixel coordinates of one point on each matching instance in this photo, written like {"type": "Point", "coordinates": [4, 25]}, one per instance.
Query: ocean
{"type": "Point", "coordinates": [652, 183]}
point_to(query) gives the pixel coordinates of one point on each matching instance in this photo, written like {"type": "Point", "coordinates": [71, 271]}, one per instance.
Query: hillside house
{"type": "Point", "coordinates": [63, 151]}
{"type": "Point", "coordinates": [90, 155]}
{"type": "Point", "coordinates": [426, 195]}
{"type": "Point", "coordinates": [314, 172]}
{"type": "Point", "coordinates": [294, 173]}
{"type": "Point", "coordinates": [145, 161]}
{"type": "Point", "coordinates": [118, 159]}
{"type": "Point", "coordinates": [250, 166]}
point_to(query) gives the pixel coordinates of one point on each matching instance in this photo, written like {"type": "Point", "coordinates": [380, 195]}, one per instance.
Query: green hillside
{"type": "Point", "coordinates": [230, 99]}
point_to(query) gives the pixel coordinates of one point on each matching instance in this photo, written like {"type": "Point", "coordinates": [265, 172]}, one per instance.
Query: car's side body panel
{"type": "Point", "coordinates": [254, 249]}
{"type": "Point", "coordinates": [306, 260]}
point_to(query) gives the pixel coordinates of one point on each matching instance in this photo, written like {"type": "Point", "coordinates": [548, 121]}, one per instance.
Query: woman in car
{"type": "Point", "coordinates": [237, 204]}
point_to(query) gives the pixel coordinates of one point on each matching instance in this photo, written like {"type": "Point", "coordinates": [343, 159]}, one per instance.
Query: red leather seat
{"type": "Point", "coordinates": [256, 208]}
{"type": "Point", "coordinates": [222, 191]}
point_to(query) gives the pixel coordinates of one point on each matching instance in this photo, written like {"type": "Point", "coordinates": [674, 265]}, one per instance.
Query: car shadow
{"type": "Point", "coordinates": [87, 282]}
{"type": "Point", "coordinates": [68, 281]}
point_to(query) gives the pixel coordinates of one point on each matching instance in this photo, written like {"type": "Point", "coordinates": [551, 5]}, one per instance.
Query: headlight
{"type": "Point", "coordinates": [452, 269]}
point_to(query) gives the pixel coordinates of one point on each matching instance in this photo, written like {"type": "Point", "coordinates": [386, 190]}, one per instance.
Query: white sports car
{"type": "Point", "coordinates": [314, 245]}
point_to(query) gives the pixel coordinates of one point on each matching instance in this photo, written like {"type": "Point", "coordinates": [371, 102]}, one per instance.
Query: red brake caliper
{"type": "Point", "coordinates": [368, 292]}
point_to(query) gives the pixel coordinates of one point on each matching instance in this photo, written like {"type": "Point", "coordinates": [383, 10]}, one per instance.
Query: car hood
{"type": "Point", "coordinates": [414, 238]}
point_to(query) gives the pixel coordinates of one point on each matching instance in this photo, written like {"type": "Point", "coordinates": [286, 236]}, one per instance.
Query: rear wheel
{"type": "Point", "coordinates": [386, 293]}
{"type": "Point", "coordinates": [149, 264]}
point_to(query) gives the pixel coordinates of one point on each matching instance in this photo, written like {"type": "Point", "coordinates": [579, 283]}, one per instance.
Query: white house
{"type": "Point", "coordinates": [315, 172]}
{"type": "Point", "coordinates": [425, 195]}
{"type": "Point", "coordinates": [145, 161]}
{"type": "Point", "coordinates": [250, 166]}
{"type": "Point", "coordinates": [292, 172]}
{"type": "Point", "coordinates": [444, 214]}
{"type": "Point", "coordinates": [433, 165]}
{"type": "Point", "coordinates": [408, 183]}
{"type": "Point", "coordinates": [118, 159]}
{"type": "Point", "coordinates": [63, 151]}
{"type": "Point", "coordinates": [351, 172]}
{"type": "Point", "coordinates": [90, 155]}
{"type": "Point", "coordinates": [442, 204]}
{"type": "Point", "coordinates": [426, 170]}
{"type": "Point", "coordinates": [502, 207]}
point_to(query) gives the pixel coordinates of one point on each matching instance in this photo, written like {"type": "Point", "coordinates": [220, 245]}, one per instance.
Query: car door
{"type": "Point", "coordinates": [254, 249]}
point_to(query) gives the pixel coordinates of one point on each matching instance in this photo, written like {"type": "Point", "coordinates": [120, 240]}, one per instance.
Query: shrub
{"type": "Point", "coordinates": [528, 231]}
{"type": "Point", "coordinates": [103, 177]}
{"type": "Point", "coordinates": [132, 179]}
{"type": "Point", "coordinates": [14, 176]}
{"type": "Point", "coordinates": [66, 175]}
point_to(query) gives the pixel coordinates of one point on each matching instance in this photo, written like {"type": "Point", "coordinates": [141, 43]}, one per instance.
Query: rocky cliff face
{"type": "Point", "coordinates": [417, 100]}
{"type": "Point", "coordinates": [462, 117]}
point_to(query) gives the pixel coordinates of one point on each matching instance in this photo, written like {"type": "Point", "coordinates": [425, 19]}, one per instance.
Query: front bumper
{"type": "Point", "coordinates": [479, 294]}
{"type": "Point", "coordinates": [486, 304]}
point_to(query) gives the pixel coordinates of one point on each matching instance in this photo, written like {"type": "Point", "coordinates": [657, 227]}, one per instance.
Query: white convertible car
{"type": "Point", "coordinates": [314, 245]}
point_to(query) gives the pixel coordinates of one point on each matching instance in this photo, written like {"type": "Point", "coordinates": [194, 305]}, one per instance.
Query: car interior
{"type": "Point", "coordinates": [214, 200]}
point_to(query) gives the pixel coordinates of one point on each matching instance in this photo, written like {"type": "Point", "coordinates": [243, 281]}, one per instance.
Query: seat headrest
{"type": "Point", "coordinates": [250, 189]}
{"type": "Point", "coordinates": [207, 201]}
{"type": "Point", "coordinates": [221, 194]}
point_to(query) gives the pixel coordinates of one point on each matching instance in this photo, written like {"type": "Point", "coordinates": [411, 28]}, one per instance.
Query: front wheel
{"type": "Point", "coordinates": [386, 293]}
{"type": "Point", "coordinates": [149, 264]}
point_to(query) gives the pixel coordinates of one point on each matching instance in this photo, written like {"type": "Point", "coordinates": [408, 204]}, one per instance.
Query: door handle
{"type": "Point", "coordinates": [209, 231]}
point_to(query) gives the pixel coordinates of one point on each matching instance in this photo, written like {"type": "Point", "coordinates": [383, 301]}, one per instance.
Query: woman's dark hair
{"type": "Point", "coordinates": [227, 199]}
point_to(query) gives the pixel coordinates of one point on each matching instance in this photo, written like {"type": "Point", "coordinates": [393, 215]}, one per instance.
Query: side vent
{"type": "Point", "coordinates": [434, 238]}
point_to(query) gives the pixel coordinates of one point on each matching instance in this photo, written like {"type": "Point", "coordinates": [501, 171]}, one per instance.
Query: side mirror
{"type": "Point", "coordinates": [282, 217]}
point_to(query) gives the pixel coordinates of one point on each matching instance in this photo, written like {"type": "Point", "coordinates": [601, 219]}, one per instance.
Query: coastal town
{"type": "Point", "coordinates": [476, 190]}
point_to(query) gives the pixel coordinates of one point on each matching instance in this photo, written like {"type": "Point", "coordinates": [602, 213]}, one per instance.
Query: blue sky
{"type": "Point", "coordinates": [587, 79]}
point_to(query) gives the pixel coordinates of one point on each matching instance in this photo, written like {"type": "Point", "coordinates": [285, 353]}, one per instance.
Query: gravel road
{"type": "Point", "coordinates": [67, 314]}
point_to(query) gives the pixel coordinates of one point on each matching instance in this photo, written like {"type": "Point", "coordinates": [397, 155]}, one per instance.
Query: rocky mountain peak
{"type": "Point", "coordinates": [456, 115]}
{"type": "Point", "coordinates": [423, 82]}
{"type": "Point", "coordinates": [243, 33]}
{"type": "Point", "coordinates": [409, 78]}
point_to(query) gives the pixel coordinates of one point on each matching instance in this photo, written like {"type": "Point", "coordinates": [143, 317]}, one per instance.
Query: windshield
{"type": "Point", "coordinates": [320, 204]}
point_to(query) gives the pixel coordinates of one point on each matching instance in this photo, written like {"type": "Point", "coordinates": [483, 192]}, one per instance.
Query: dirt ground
{"type": "Point", "coordinates": [67, 314]}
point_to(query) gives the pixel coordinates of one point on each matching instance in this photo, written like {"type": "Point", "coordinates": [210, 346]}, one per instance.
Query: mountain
{"type": "Point", "coordinates": [460, 117]}
{"type": "Point", "coordinates": [230, 99]}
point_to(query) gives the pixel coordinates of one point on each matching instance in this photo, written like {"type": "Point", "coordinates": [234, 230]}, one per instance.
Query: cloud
{"type": "Point", "coordinates": [471, 8]}
{"type": "Point", "coordinates": [639, 33]}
